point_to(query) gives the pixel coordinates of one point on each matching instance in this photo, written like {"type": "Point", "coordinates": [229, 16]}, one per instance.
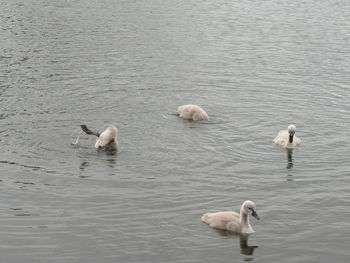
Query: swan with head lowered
{"type": "Point", "coordinates": [107, 140]}
{"type": "Point", "coordinates": [287, 138]}
{"type": "Point", "coordinates": [192, 112]}
{"type": "Point", "coordinates": [232, 221]}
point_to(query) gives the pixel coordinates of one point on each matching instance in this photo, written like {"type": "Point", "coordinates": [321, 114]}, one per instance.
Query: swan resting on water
{"type": "Point", "coordinates": [192, 112]}
{"type": "Point", "coordinates": [107, 140]}
{"type": "Point", "coordinates": [286, 138]}
{"type": "Point", "coordinates": [232, 221]}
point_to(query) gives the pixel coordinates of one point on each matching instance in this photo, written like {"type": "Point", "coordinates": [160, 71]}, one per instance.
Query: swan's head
{"type": "Point", "coordinates": [249, 208]}
{"type": "Point", "coordinates": [292, 129]}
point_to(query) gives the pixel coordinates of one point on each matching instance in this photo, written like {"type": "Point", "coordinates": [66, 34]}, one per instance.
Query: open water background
{"type": "Point", "coordinates": [254, 66]}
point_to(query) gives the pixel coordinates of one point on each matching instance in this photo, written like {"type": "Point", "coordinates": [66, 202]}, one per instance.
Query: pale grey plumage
{"type": "Point", "coordinates": [107, 140]}
{"type": "Point", "coordinates": [232, 221]}
{"type": "Point", "coordinates": [287, 139]}
{"type": "Point", "coordinates": [192, 112]}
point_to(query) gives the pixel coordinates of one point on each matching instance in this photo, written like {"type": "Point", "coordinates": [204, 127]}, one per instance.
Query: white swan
{"type": "Point", "coordinates": [192, 112]}
{"type": "Point", "coordinates": [233, 221]}
{"type": "Point", "coordinates": [107, 140]}
{"type": "Point", "coordinates": [286, 138]}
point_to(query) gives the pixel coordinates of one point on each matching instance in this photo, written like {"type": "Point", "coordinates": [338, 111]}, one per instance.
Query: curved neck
{"type": "Point", "coordinates": [244, 220]}
{"type": "Point", "coordinates": [291, 138]}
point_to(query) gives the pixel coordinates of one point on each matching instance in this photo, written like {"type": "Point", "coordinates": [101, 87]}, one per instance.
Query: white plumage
{"type": "Point", "coordinates": [107, 140]}
{"type": "Point", "coordinates": [192, 112]}
{"type": "Point", "coordinates": [107, 136]}
{"type": "Point", "coordinates": [287, 139]}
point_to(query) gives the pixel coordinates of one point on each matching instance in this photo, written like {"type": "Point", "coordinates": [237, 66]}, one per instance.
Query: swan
{"type": "Point", "coordinates": [286, 138]}
{"type": "Point", "coordinates": [232, 221]}
{"type": "Point", "coordinates": [192, 112]}
{"type": "Point", "coordinates": [107, 140]}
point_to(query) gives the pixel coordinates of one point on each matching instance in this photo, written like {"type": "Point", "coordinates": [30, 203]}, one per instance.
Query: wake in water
{"type": "Point", "coordinates": [75, 136]}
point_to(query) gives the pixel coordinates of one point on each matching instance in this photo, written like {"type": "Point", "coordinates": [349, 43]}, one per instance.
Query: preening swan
{"type": "Point", "coordinates": [286, 138]}
{"type": "Point", "coordinates": [192, 112]}
{"type": "Point", "coordinates": [232, 221]}
{"type": "Point", "coordinates": [107, 140]}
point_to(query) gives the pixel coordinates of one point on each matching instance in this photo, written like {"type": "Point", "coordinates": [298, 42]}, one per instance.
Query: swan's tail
{"type": "Point", "coordinates": [205, 217]}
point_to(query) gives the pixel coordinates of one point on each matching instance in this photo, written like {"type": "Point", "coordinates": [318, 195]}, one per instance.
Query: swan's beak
{"type": "Point", "coordinates": [255, 215]}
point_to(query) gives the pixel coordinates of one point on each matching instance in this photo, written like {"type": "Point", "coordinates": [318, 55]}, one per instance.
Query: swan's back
{"type": "Point", "coordinates": [106, 136]}
{"type": "Point", "coordinates": [227, 220]}
{"type": "Point", "coordinates": [192, 112]}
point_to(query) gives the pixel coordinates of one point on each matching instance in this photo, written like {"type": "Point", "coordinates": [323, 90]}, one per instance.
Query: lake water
{"type": "Point", "coordinates": [254, 66]}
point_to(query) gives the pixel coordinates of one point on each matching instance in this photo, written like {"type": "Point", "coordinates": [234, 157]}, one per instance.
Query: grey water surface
{"type": "Point", "coordinates": [255, 66]}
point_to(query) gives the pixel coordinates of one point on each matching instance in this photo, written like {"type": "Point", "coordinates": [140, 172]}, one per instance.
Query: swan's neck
{"type": "Point", "coordinates": [246, 227]}
{"type": "Point", "coordinates": [291, 138]}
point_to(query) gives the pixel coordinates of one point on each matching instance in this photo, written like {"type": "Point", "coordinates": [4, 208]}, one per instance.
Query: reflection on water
{"type": "Point", "coordinates": [289, 159]}
{"type": "Point", "coordinates": [111, 158]}
{"type": "Point", "coordinates": [289, 164]}
{"type": "Point", "coordinates": [290, 177]}
{"type": "Point", "coordinates": [245, 248]}
{"type": "Point", "coordinates": [83, 165]}
{"type": "Point", "coordinates": [243, 242]}
{"type": "Point", "coordinates": [104, 158]}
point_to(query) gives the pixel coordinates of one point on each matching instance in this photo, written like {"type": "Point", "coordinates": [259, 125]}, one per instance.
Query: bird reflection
{"type": "Point", "coordinates": [107, 158]}
{"type": "Point", "coordinates": [245, 248]}
{"type": "Point", "coordinates": [111, 162]}
{"type": "Point", "coordinates": [243, 241]}
{"type": "Point", "coordinates": [289, 159]}
{"type": "Point", "coordinates": [83, 165]}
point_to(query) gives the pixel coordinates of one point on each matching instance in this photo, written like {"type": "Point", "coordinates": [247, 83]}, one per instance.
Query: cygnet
{"type": "Point", "coordinates": [232, 221]}
{"type": "Point", "coordinates": [287, 139]}
{"type": "Point", "coordinates": [192, 112]}
{"type": "Point", "coordinates": [107, 140]}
